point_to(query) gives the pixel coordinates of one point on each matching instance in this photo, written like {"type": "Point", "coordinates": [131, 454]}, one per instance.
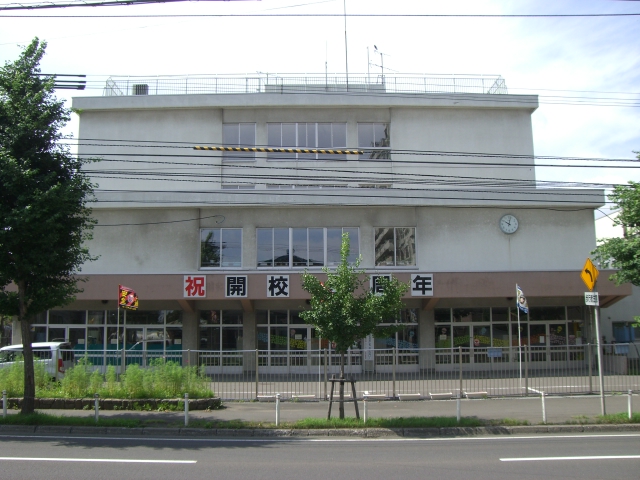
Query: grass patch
{"type": "Point", "coordinates": [39, 418]}
{"type": "Point", "coordinates": [622, 417]}
{"type": "Point", "coordinates": [400, 422]}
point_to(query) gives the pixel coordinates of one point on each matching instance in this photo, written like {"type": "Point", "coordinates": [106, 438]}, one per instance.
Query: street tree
{"type": "Point", "coordinates": [623, 253]}
{"type": "Point", "coordinates": [44, 215]}
{"type": "Point", "coordinates": [344, 309]}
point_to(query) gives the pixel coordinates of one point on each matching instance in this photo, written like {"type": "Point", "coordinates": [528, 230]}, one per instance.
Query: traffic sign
{"type": "Point", "coordinates": [589, 274]}
{"type": "Point", "coordinates": [591, 298]}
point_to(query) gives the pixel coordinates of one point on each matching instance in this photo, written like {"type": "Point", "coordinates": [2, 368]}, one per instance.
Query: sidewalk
{"type": "Point", "coordinates": [559, 410]}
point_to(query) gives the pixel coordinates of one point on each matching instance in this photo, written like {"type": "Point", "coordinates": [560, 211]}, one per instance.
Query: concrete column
{"type": "Point", "coordinates": [426, 325]}
{"type": "Point", "coordinates": [190, 333]}
{"type": "Point", "coordinates": [249, 340]}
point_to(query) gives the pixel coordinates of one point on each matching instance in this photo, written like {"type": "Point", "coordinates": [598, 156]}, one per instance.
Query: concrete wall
{"type": "Point", "coordinates": [447, 239]}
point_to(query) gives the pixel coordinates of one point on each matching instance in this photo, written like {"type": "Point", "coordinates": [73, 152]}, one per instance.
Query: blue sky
{"type": "Point", "coordinates": [594, 59]}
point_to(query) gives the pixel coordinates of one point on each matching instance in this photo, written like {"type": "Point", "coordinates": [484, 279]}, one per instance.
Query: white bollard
{"type": "Point", "coordinates": [277, 409]}
{"type": "Point", "coordinates": [544, 409]}
{"type": "Point", "coordinates": [630, 405]}
{"type": "Point", "coordinates": [4, 404]}
{"type": "Point", "coordinates": [186, 409]}
{"type": "Point", "coordinates": [364, 401]}
{"type": "Point", "coordinates": [458, 407]}
{"type": "Point", "coordinates": [95, 406]}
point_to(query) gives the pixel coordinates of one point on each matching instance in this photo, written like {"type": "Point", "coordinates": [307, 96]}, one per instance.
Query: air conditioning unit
{"type": "Point", "coordinates": [141, 89]}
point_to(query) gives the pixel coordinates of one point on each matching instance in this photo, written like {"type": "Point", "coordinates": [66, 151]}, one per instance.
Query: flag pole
{"type": "Point", "coordinates": [519, 339]}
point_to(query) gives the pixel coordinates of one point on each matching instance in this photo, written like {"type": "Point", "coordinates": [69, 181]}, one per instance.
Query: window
{"type": "Point", "coordinates": [307, 135]}
{"type": "Point", "coordinates": [395, 247]}
{"type": "Point", "coordinates": [221, 330]}
{"type": "Point", "coordinates": [374, 138]}
{"type": "Point", "coordinates": [239, 135]}
{"type": "Point", "coordinates": [220, 247]}
{"type": "Point", "coordinates": [303, 247]}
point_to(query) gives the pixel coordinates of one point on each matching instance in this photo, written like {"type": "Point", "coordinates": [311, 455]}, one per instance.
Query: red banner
{"type": "Point", "coordinates": [127, 298]}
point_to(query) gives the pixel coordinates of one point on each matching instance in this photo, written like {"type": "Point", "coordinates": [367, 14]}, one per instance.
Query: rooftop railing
{"type": "Point", "coordinates": [335, 84]}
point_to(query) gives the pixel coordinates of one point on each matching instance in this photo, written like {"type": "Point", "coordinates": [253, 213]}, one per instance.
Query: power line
{"type": "Point", "coordinates": [334, 15]}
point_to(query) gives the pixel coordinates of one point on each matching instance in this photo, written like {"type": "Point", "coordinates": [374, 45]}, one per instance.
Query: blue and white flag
{"type": "Point", "coordinates": [521, 300]}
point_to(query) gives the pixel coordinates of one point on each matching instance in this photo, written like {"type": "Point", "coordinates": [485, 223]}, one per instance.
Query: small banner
{"type": "Point", "coordinates": [521, 300]}
{"type": "Point", "coordinates": [127, 298]}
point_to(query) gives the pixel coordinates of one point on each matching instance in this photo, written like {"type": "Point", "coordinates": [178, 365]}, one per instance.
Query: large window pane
{"type": "Point", "coordinates": [288, 140]}
{"type": "Point", "coordinates": [405, 247]}
{"type": "Point", "coordinates": [384, 245]}
{"type": "Point", "coordinates": [442, 315]}
{"type": "Point", "coordinates": [231, 242]}
{"type": "Point", "coordinates": [372, 135]}
{"type": "Point", "coordinates": [232, 338]}
{"type": "Point", "coordinates": [210, 248]}
{"type": "Point", "coordinates": [278, 338]}
{"type": "Point", "coordinates": [471, 315]}
{"type": "Point", "coordinates": [443, 337]}
{"type": "Point", "coordinates": [354, 243]}
{"type": "Point", "coordinates": [281, 247]}
{"type": "Point", "coordinates": [210, 338]}
{"type": "Point", "coordinates": [274, 138]}
{"type": "Point", "coordinates": [334, 239]}
{"type": "Point", "coordinates": [546, 313]}
{"type": "Point", "coordinates": [67, 317]}
{"type": "Point", "coordinates": [501, 335]}
{"type": "Point", "coordinates": [145, 317]}
{"type": "Point", "coordinates": [239, 135]}
{"type": "Point", "coordinates": [316, 247]}
{"type": "Point", "coordinates": [265, 247]}
{"type": "Point", "coordinates": [299, 244]}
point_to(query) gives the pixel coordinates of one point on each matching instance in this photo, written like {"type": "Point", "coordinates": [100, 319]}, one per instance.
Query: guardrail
{"type": "Point", "coordinates": [357, 84]}
{"type": "Point", "coordinates": [394, 373]}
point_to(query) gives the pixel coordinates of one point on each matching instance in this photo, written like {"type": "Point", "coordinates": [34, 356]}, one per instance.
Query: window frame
{"type": "Point", "coordinates": [221, 263]}
{"type": "Point", "coordinates": [375, 152]}
{"type": "Point", "coordinates": [291, 250]}
{"type": "Point", "coordinates": [298, 142]}
{"type": "Point", "coordinates": [395, 249]}
{"type": "Point", "coordinates": [238, 156]}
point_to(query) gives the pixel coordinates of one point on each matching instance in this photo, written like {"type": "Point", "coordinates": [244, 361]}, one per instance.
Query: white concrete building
{"type": "Point", "coordinates": [214, 243]}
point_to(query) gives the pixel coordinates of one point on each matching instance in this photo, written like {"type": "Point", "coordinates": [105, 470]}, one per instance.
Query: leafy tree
{"type": "Point", "coordinates": [44, 218]}
{"type": "Point", "coordinates": [344, 309]}
{"type": "Point", "coordinates": [623, 254]}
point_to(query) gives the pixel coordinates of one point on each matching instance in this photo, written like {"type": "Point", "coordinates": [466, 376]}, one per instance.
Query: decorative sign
{"type": "Point", "coordinates": [422, 285]}
{"type": "Point", "coordinates": [127, 298]}
{"type": "Point", "coordinates": [195, 286]}
{"type": "Point", "coordinates": [591, 298]}
{"type": "Point", "coordinates": [493, 352]}
{"type": "Point", "coordinates": [368, 348]}
{"type": "Point", "coordinates": [277, 286]}
{"type": "Point", "coordinates": [589, 274]}
{"type": "Point", "coordinates": [235, 286]}
{"type": "Point", "coordinates": [375, 284]}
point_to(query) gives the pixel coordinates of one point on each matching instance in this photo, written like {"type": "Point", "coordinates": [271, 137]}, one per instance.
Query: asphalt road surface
{"type": "Point", "coordinates": [580, 456]}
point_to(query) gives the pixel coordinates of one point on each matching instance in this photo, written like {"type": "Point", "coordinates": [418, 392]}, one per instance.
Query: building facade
{"type": "Point", "coordinates": [442, 195]}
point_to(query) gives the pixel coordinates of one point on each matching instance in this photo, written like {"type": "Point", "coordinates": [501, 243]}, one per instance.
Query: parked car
{"type": "Point", "coordinates": [46, 352]}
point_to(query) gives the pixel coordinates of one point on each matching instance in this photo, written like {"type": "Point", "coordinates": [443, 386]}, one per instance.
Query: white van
{"type": "Point", "coordinates": [46, 352]}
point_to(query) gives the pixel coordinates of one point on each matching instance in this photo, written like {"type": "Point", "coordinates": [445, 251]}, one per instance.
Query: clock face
{"type": "Point", "coordinates": [509, 224]}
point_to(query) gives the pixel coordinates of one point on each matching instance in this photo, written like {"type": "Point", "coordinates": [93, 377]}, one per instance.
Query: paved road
{"type": "Point", "coordinates": [534, 457]}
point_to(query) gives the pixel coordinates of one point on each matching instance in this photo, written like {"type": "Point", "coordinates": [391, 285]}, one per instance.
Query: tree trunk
{"type": "Point", "coordinates": [341, 386]}
{"type": "Point", "coordinates": [28, 401]}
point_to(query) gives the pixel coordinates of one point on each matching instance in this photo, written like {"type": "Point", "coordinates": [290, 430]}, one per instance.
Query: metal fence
{"type": "Point", "coordinates": [365, 84]}
{"type": "Point", "coordinates": [394, 373]}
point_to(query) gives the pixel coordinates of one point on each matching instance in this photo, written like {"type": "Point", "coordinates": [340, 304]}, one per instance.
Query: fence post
{"type": "Point", "coordinates": [364, 401]}
{"type": "Point", "coordinates": [394, 372]}
{"type": "Point", "coordinates": [4, 403]}
{"type": "Point", "coordinates": [257, 373]}
{"type": "Point", "coordinates": [55, 365]}
{"type": "Point", "coordinates": [123, 363]}
{"type": "Point", "coordinates": [186, 409]}
{"type": "Point", "coordinates": [460, 368]}
{"type": "Point", "coordinates": [458, 407]}
{"type": "Point", "coordinates": [630, 405]}
{"type": "Point", "coordinates": [277, 409]}
{"type": "Point", "coordinates": [325, 373]}
{"type": "Point", "coordinates": [526, 370]}
{"type": "Point", "coordinates": [96, 406]}
{"type": "Point", "coordinates": [544, 410]}
{"type": "Point", "coordinates": [590, 368]}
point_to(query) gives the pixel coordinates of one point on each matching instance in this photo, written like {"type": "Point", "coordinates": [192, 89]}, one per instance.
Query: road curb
{"type": "Point", "coordinates": [445, 432]}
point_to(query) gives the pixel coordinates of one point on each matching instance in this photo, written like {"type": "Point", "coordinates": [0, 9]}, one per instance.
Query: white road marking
{"type": "Point", "coordinates": [100, 460]}
{"type": "Point", "coordinates": [548, 459]}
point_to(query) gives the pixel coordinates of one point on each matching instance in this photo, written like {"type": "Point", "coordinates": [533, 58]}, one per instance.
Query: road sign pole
{"type": "Point", "coordinates": [599, 347]}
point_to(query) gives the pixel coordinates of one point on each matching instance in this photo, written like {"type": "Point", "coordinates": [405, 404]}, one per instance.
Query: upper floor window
{"type": "Point", "coordinates": [395, 247]}
{"type": "Point", "coordinates": [220, 247]}
{"type": "Point", "coordinates": [374, 139]}
{"type": "Point", "coordinates": [307, 136]}
{"type": "Point", "coordinates": [239, 135]}
{"type": "Point", "coordinates": [304, 247]}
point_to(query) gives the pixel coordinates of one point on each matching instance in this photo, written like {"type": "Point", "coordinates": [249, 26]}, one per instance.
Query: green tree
{"type": "Point", "coordinates": [344, 309]}
{"type": "Point", "coordinates": [44, 218]}
{"type": "Point", "coordinates": [623, 254]}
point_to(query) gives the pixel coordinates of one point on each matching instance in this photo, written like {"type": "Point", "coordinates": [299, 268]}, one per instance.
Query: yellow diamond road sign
{"type": "Point", "coordinates": [589, 274]}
